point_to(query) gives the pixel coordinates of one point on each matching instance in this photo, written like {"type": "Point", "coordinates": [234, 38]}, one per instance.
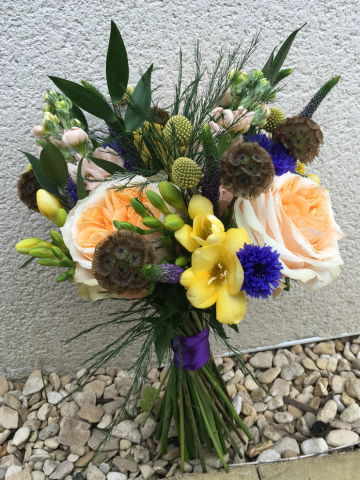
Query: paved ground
{"type": "Point", "coordinates": [340, 466]}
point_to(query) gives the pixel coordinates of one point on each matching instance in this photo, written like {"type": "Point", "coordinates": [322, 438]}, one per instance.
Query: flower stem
{"type": "Point", "coordinates": [167, 416]}
{"type": "Point", "coordinates": [196, 319]}
{"type": "Point", "coordinates": [203, 432]}
{"type": "Point", "coordinates": [156, 397]}
{"type": "Point", "coordinates": [182, 429]}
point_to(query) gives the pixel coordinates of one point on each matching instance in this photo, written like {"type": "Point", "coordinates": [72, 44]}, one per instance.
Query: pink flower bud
{"type": "Point", "coordinates": [74, 137]}
{"type": "Point", "coordinates": [38, 131]}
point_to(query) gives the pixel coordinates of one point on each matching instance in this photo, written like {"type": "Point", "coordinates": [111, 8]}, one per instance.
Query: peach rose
{"type": "Point", "coordinates": [296, 219]}
{"type": "Point", "coordinates": [91, 220]}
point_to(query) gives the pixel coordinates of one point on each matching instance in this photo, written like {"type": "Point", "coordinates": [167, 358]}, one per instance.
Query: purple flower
{"type": "Point", "coordinates": [210, 186]}
{"type": "Point", "coordinates": [71, 191]}
{"type": "Point", "coordinates": [125, 153]}
{"type": "Point", "coordinates": [283, 162]}
{"type": "Point", "coordinates": [262, 270]}
{"type": "Point", "coordinates": [164, 273]}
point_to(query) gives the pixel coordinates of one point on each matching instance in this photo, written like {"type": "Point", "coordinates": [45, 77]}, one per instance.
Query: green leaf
{"type": "Point", "coordinates": [53, 165]}
{"type": "Point", "coordinates": [76, 112]}
{"type": "Point", "coordinates": [234, 327]}
{"type": "Point", "coordinates": [139, 105]}
{"type": "Point", "coordinates": [161, 344]}
{"type": "Point", "coordinates": [80, 186]}
{"type": "Point", "coordinates": [216, 325]}
{"type": "Point", "coordinates": [85, 99]}
{"type": "Point", "coordinates": [107, 166]}
{"type": "Point", "coordinates": [31, 259]}
{"type": "Point", "coordinates": [117, 66]}
{"type": "Point", "coordinates": [267, 67]}
{"type": "Point", "coordinates": [44, 182]}
{"type": "Point", "coordinates": [281, 55]}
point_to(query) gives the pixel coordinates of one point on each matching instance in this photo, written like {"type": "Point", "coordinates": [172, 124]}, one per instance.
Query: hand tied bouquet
{"type": "Point", "coordinates": [182, 212]}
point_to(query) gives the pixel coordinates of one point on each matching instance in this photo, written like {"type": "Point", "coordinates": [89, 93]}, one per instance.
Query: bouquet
{"type": "Point", "coordinates": [181, 212]}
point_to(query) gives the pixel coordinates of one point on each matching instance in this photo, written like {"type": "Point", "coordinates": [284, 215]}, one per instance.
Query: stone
{"type": "Point", "coordinates": [110, 392]}
{"type": "Point", "coordinates": [309, 364]}
{"type": "Point", "coordinates": [23, 475]}
{"type": "Point", "coordinates": [250, 383]}
{"type": "Point", "coordinates": [257, 449]}
{"type": "Point", "coordinates": [9, 460]}
{"type": "Point", "coordinates": [55, 381]}
{"type": "Point", "coordinates": [231, 389]}
{"type": "Point", "coordinates": [93, 473]}
{"type": "Point", "coordinates": [141, 454]}
{"type": "Point", "coordinates": [302, 427]}
{"type": "Point", "coordinates": [236, 378]}
{"type": "Point", "coordinates": [128, 430]}
{"type": "Point", "coordinates": [124, 465]}
{"type": "Point", "coordinates": [37, 476]}
{"type": "Point", "coordinates": [324, 348]}
{"type": "Point", "coordinates": [123, 385]}
{"type": "Point", "coordinates": [321, 387]}
{"type": "Point", "coordinates": [52, 443]}
{"type": "Point", "coordinates": [69, 409]}
{"type": "Point", "coordinates": [314, 445]}
{"type": "Point", "coordinates": [295, 412]}
{"type": "Point", "coordinates": [286, 443]}
{"type": "Point", "coordinates": [116, 476]}
{"type": "Point", "coordinates": [248, 410]}
{"type": "Point", "coordinates": [351, 413]}
{"type": "Point", "coordinates": [73, 432]}
{"type": "Point", "coordinates": [105, 422]}
{"type": "Point", "coordinates": [343, 365]}
{"type": "Point", "coordinates": [272, 433]}
{"type": "Point", "coordinates": [9, 418]}
{"type": "Point", "coordinates": [260, 407]}
{"type": "Point", "coordinates": [338, 424]}
{"type": "Point", "coordinates": [111, 407]}
{"type": "Point", "coordinates": [228, 376]}
{"type": "Point", "coordinates": [12, 402]}
{"type": "Point", "coordinates": [311, 354]}
{"type": "Point", "coordinates": [39, 455]}
{"type": "Point", "coordinates": [147, 472]}
{"type": "Point", "coordinates": [50, 431]}
{"type": "Point", "coordinates": [348, 353]}
{"type": "Point", "coordinates": [304, 398]}
{"type": "Point", "coordinates": [54, 397]}
{"type": "Point", "coordinates": [64, 469]}
{"type": "Point", "coordinates": [275, 403]}
{"type": "Point", "coordinates": [321, 363]}
{"type": "Point", "coordinates": [339, 438]}
{"type": "Point", "coordinates": [280, 360]}
{"type": "Point", "coordinates": [269, 456]}
{"type": "Point", "coordinates": [262, 360]}
{"type": "Point", "coordinates": [33, 384]}
{"type": "Point", "coordinates": [98, 435]}
{"type": "Point", "coordinates": [12, 469]}
{"type": "Point", "coordinates": [172, 454]}
{"type": "Point", "coordinates": [289, 454]}
{"type": "Point", "coordinates": [352, 387]}
{"type": "Point", "coordinates": [237, 403]}
{"type": "Point", "coordinates": [311, 379]}
{"type": "Point", "coordinates": [148, 429]}
{"type": "Point", "coordinates": [4, 435]}
{"type": "Point", "coordinates": [258, 395]}
{"type": "Point", "coordinates": [87, 397]}
{"type": "Point", "coordinates": [346, 399]}
{"type": "Point", "coordinates": [291, 371]}
{"type": "Point", "coordinates": [4, 386]}
{"type": "Point", "coordinates": [84, 459]}
{"type": "Point", "coordinates": [338, 384]}
{"type": "Point", "coordinates": [44, 412]}
{"type": "Point", "coordinates": [283, 417]}
{"type": "Point", "coordinates": [328, 413]}
{"type": "Point", "coordinates": [270, 375]}
{"type": "Point", "coordinates": [91, 413]}
{"type": "Point", "coordinates": [245, 397]}
{"type": "Point", "coordinates": [21, 436]}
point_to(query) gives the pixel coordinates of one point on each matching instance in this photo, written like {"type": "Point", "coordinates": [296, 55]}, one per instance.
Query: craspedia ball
{"type": "Point", "coordinates": [118, 260]}
{"type": "Point", "coordinates": [182, 128]}
{"type": "Point", "coordinates": [276, 116]}
{"type": "Point", "coordinates": [28, 167]}
{"type": "Point", "coordinates": [186, 173]}
{"type": "Point", "coordinates": [126, 97]}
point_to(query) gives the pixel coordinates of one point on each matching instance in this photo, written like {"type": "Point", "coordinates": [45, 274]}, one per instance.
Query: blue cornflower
{"type": "Point", "coordinates": [129, 159]}
{"type": "Point", "coordinates": [262, 270]}
{"type": "Point", "coordinates": [71, 190]}
{"type": "Point", "coordinates": [283, 162]}
{"type": "Point", "coordinates": [164, 273]}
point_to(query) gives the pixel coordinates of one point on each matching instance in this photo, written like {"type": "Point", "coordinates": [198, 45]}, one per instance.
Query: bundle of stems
{"type": "Point", "coordinates": [200, 404]}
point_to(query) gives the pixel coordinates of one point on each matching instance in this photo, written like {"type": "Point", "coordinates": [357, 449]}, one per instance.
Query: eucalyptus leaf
{"type": "Point", "coordinates": [117, 66]}
{"type": "Point", "coordinates": [281, 55]}
{"type": "Point", "coordinates": [107, 166]}
{"type": "Point", "coordinates": [43, 181]}
{"type": "Point", "coordinates": [80, 186]}
{"type": "Point", "coordinates": [53, 165]}
{"type": "Point", "coordinates": [139, 104]}
{"type": "Point", "coordinates": [76, 112]}
{"type": "Point", "coordinates": [85, 99]}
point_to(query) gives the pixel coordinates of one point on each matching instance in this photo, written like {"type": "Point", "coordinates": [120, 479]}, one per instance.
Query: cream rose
{"type": "Point", "coordinates": [296, 219]}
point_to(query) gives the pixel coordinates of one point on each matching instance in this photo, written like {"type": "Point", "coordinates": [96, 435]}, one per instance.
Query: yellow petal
{"type": "Point", "coordinates": [230, 309]}
{"type": "Point", "coordinates": [215, 222]}
{"type": "Point", "coordinates": [187, 277]}
{"type": "Point", "coordinates": [200, 205]}
{"type": "Point", "coordinates": [204, 259]}
{"type": "Point", "coordinates": [315, 178]}
{"type": "Point", "coordinates": [215, 238]}
{"type": "Point", "coordinates": [183, 237]}
{"type": "Point", "coordinates": [235, 239]}
{"type": "Point", "coordinates": [199, 226]}
{"type": "Point", "coordinates": [200, 294]}
{"type": "Point", "coordinates": [235, 277]}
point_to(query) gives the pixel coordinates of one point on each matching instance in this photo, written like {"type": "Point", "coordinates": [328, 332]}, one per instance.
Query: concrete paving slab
{"type": "Point", "coordinates": [344, 466]}
{"type": "Point", "coordinates": [245, 472]}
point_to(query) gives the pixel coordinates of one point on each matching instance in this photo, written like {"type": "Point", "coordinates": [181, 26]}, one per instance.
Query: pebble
{"type": "Point", "coordinates": [54, 397]}
{"type": "Point", "coordinates": [327, 414]}
{"type": "Point", "coordinates": [9, 418]}
{"type": "Point", "coordinates": [339, 438]}
{"type": "Point", "coordinates": [286, 443]}
{"type": "Point", "coordinates": [269, 376]}
{"type": "Point", "coordinates": [291, 371]}
{"type": "Point", "coordinates": [283, 417]}
{"type": "Point", "coordinates": [21, 436]}
{"type": "Point", "coordinates": [262, 360]}
{"type": "Point", "coordinates": [269, 456]}
{"type": "Point", "coordinates": [116, 476]}
{"type": "Point", "coordinates": [353, 388]}
{"type": "Point", "coordinates": [324, 348]}
{"type": "Point", "coordinates": [314, 445]}
{"type": "Point", "coordinates": [351, 414]}
{"type": "Point", "coordinates": [94, 473]}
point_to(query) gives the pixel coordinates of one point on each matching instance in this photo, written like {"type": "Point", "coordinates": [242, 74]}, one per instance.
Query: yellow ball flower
{"type": "Point", "coordinates": [48, 204]}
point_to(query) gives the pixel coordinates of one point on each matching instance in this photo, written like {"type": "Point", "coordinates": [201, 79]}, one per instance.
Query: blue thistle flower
{"type": "Point", "coordinates": [164, 273]}
{"type": "Point", "coordinates": [283, 162]}
{"type": "Point", "coordinates": [129, 160]}
{"type": "Point", "coordinates": [71, 190]}
{"type": "Point", "coordinates": [262, 270]}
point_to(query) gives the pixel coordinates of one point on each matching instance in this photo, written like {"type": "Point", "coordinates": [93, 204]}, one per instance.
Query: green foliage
{"type": "Point", "coordinates": [149, 394]}
{"type": "Point", "coordinates": [117, 66]}
{"type": "Point", "coordinates": [93, 89]}
{"type": "Point", "coordinates": [80, 185]}
{"type": "Point", "coordinates": [109, 167]}
{"type": "Point", "coordinates": [139, 104]}
{"type": "Point", "coordinates": [319, 96]}
{"type": "Point", "coordinates": [53, 165]}
{"type": "Point", "coordinates": [76, 112]}
{"type": "Point", "coordinates": [282, 75]}
{"type": "Point", "coordinates": [45, 183]}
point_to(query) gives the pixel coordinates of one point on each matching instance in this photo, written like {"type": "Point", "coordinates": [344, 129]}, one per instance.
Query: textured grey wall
{"type": "Point", "coordinates": [69, 39]}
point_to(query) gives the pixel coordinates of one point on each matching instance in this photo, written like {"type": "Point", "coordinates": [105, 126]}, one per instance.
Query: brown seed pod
{"type": "Point", "coordinates": [247, 170]}
{"type": "Point", "coordinates": [159, 116]}
{"type": "Point", "coordinates": [27, 188]}
{"type": "Point", "coordinates": [118, 260]}
{"type": "Point", "coordinates": [301, 135]}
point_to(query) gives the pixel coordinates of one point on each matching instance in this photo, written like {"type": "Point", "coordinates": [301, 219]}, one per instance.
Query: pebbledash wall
{"type": "Point", "coordinates": [69, 39]}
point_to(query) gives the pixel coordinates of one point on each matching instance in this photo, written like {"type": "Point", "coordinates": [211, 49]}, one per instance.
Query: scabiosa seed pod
{"type": "Point", "coordinates": [186, 173]}
{"type": "Point", "coordinates": [167, 273]}
{"type": "Point", "coordinates": [183, 129]}
{"type": "Point", "coordinates": [247, 170]}
{"type": "Point", "coordinates": [27, 189]}
{"type": "Point", "coordinates": [276, 116]}
{"type": "Point", "coordinates": [302, 136]}
{"type": "Point", "coordinates": [118, 260]}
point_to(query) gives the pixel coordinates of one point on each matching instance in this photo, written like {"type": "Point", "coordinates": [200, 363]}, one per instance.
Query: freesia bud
{"type": "Point", "coordinates": [139, 207]}
{"type": "Point", "coordinates": [74, 137]}
{"type": "Point", "coordinates": [157, 202]}
{"type": "Point", "coordinates": [173, 222]}
{"type": "Point", "coordinates": [61, 216]}
{"type": "Point", "coordinates": [24, 246]}
{"type": "Point", "coordinates": [38, 131]}
{"type": "Point", "coordinates": [48, 204]}
{"type": "Point", "coordinates": [168, 244]}
{"type": "Point", "coordinates": [62, 105]}
{"type": "Point", "coordinates": [49, 262]}
{"type": "Point", "coordinates": [154, 223]}
{"type": "Point", "coordinates": [124, 226]}
{"type": "Point", "coordinates": [172, 196]}
{"type": "Point", "coordinates": [58, 253]}
{"type": "Point", "coordinates": [57, 240]}
{"type": "Point", "coordinates": [181, 261]}
{"type": "Point", "coordinates": [41, 252]}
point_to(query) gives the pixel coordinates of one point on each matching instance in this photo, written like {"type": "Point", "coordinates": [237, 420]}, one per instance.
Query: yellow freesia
{"type": "Point", "coordinates": [314, 178]}
{"type": "Point", "coordinates": [48, 204]}
{"type": "Point", "coordinates": [300, 167]}
{"type": "Point", "coordinates": [207, 229]}
{"type": "Point", "coordinates": [216, 276]}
